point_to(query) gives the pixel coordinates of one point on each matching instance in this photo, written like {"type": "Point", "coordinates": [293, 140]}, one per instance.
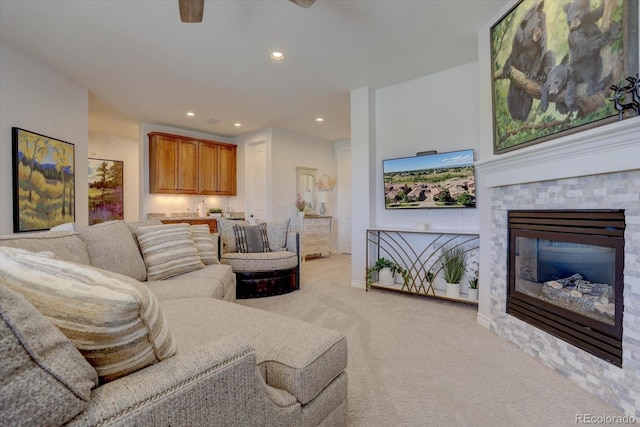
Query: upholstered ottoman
{"type": "Point", "coordinates": [305, 363]}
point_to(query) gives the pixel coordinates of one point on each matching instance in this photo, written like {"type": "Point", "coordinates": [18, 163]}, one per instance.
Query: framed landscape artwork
{"type": "Point", "coordinates": [43, 181]}
{"type": "Point", "coordinates": [105, 190]}
{"type": "Point", "coordinates": [553, 63]}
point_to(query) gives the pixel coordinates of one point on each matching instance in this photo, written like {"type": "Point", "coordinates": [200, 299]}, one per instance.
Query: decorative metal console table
{"type": "Point", "coordinates": [419, 253]}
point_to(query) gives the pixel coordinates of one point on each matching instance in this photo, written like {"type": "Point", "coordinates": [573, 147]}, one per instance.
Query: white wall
{"type": "Point", "coordinates": [436, 112]}
{"type": "Point", "coordinates": [289, 150]}
{"type": "Point", "coordinates": [39, 99]}
{"type": "Point", "coordinates": [363, 159]}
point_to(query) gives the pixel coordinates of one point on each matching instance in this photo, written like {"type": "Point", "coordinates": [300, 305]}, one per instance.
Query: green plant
{"type": "Point", "coordinates": [453, 263]}
{"type": "Point", "coordinates": [215, 211]}
{"type": "Point", "coordinates": [473, 283]}
{"type": "Point", "coordinates": [430, 276]}
{"type": "Point", "coordinates": [385, 263]}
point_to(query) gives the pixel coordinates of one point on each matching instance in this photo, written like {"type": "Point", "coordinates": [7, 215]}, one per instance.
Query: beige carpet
{"type": "Point", "coordinates": [415, 361]}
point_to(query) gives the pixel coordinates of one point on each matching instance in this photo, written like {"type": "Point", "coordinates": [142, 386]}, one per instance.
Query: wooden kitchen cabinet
{"type": "Point", "coordinates": [184, 165]}
{"type": "Point", "coordinates": [217, 169]}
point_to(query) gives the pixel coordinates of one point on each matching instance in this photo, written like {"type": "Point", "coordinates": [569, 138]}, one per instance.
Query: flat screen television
{"type": "Point", "coordinates": [442, 180]}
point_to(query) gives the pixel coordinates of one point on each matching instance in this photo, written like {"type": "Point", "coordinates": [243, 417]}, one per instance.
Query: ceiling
{"type": "Point", "coordinates": [141, 64]}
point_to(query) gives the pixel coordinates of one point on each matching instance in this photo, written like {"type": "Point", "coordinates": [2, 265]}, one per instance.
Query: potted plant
{"type": "Point", "coordinates": [472, 268]}
{"type": "Point", "coordinates": [386, 270]}
{"type": "Point", "coordinates": [300, 205]}
{"type": "Point", "coordinates": [430, 278]}
{"type": "Point", "coordinates": [215, 212]}
{"type": "Point", "coordinates": [453, 261]}
{"type": "Point", "coordinates": [473, 289]}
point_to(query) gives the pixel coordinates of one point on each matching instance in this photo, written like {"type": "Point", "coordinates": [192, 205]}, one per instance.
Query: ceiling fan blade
{"type": "Point", "coordinates": [191, 10]}
{"type": "Point", "coordinates": [303, 3]}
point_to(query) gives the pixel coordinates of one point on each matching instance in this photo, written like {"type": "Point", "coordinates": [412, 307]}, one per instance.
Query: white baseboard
{"type": "Point", "coordinates": [483, 320]}
{"type": "Point", "coordinates": [358, 284]}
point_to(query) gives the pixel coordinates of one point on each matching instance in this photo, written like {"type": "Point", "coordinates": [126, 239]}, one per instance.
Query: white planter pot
{"type": "Point", "coordinates": [301, 214]}
{"type": "Point", "coordinates": [473, 294]}
{"type": "Point", "coordinates": [453, 290]}
{"type": "Point", "coordinates": [385, 277]}
{"type": "Point", "coordinates": [399, 279]}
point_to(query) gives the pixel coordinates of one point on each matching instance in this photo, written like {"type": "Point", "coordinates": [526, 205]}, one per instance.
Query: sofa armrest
{"type": "Point", "coordinates": [293, 242]}
{"type": "Point", "coordinates": [216, 384]}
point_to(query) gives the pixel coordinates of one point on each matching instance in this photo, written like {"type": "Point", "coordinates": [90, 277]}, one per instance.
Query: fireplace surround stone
{"type": "Point", "coordinates": [619, 386]}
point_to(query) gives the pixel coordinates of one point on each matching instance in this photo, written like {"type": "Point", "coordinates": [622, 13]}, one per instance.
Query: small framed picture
{"type": "Point", "coordinates": [106, 186]}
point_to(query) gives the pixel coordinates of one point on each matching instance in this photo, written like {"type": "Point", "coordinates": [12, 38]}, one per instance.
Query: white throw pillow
{"type": "Point", "coordinates": [225, 228]}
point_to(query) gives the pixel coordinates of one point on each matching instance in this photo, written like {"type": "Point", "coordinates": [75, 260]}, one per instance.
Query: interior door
{"type": "Point", "coordinates": [257, 177]}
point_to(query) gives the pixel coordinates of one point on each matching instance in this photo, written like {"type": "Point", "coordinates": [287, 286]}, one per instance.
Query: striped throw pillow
{"type": "Point", "coordinates": [168, 250]}
{"type": "Point", "coordinates": [43, 376]}
{"type": "Point", "coordinates": [251, 238]}
{"type": "Point", "coordinates": [114, 320]}
{"type": "Point", "coordinates": [204, 242]}
{"type": "Point", "coordinates": [277, 233]}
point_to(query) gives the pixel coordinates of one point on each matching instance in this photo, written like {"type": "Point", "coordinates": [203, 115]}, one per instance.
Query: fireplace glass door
{"type": "Point", "coordinates": [566, 276]}
{"type": "Point", "coordinates": [574, 276]}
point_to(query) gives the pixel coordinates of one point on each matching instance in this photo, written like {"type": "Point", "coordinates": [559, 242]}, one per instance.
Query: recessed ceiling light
{"type": "Point", "coordinates": [277, 56]}
{"type": "Point", "coordinates": [237, 125]}
{"type": "Point", "coordinates": [319, 120]}
{"type": "Point", "coordinates": [191, 114]}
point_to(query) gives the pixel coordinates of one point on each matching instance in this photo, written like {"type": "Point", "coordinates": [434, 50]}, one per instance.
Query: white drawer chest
{"type": "Point", "coordinates": [315, 234]}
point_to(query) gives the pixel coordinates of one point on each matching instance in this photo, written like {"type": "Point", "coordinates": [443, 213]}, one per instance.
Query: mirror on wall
{"type": "Point", "coordinates": [306, 187]}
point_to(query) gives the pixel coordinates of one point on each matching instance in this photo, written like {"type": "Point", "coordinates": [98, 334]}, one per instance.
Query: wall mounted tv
{"type": "Point", "coordinates": [442, 180]}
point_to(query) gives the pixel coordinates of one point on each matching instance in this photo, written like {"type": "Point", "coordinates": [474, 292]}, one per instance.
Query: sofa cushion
{"type": "Point", "coordinates": [168, 250]}
{"type": "Point", "coordinates": [251, 238]}
{"type": "Point", "coordinates": [206, 245]}
{"type": "Point", "coordinates": [292, 355]}
{"type": "Point", "coordinates": [133, 226]}
{"type": "Point", "coordinates": [213, 281]}
{"type": "Point", "coordinates": [265, 261]}
{"type": "Point", "coordinates": [277, 232]}
{"type": "Point", "coordinates": [42, 374]}
{"type": "Point", "coordinates": [112, 247]}
{"type": "Point", "coordinates": [112, 319]}
{"type": "Point", "coordinates": [228, 237]}
{"type": "Point", "coordinates": [65, 245]}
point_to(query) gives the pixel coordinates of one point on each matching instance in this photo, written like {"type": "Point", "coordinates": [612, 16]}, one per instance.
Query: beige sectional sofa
{"type": "Point", "coordinates": [221, 363]}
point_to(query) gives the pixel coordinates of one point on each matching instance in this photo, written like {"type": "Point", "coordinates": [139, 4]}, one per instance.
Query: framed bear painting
{"type": "Point", "coordinates": [553, 65]}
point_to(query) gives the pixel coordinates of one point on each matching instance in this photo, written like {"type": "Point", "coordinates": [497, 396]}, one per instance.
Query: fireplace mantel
{"type": "Point", "coordinates": [611, 148]}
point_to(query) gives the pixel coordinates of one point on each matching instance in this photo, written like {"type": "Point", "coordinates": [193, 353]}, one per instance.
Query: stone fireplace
{"type": "Point", "coordinates": [593, 170]}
